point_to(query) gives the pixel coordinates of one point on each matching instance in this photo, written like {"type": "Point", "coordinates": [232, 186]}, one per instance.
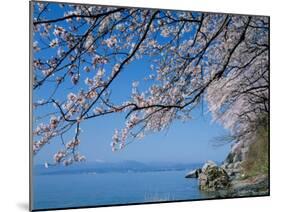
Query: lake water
{"type": "Point", "coordinates": [94, 189]}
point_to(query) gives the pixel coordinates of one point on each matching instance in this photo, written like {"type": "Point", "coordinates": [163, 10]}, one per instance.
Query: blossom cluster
{"type": "Point", "coordinates": [218, 59]}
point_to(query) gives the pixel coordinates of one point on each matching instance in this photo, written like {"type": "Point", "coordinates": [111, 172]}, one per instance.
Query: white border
{"type": "Point", "coordinates": [14, 104]}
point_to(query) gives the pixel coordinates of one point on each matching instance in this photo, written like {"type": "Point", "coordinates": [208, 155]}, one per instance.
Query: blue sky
{"type": "Point", "coordinates": [184, 142]}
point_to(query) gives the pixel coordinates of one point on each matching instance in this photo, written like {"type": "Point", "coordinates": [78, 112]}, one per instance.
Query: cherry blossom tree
{"type": "Point", "coordinates": [195, 57]}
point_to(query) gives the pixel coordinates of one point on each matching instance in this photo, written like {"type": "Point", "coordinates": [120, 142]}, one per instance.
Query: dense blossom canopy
{"type": "Point", "coordinates": [218, 58]}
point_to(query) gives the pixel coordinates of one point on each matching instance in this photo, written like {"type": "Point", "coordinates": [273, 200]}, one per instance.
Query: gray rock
{"type": "Point", "coordinates": [208, 164]}
{"type": "Point", "coordinates": [237, 165]}
{"type": "Point", "coordinates": [257, 186]}
{"type": "Point", "coordinates": [203, 180]}
{"type": "Point", "coordinates": [193, 174]}
{"type": "Point", "coordinates": [229, 166]}
{"type": "Point", "coordinates": [224, 166]}
{"type": "Point", "coordinates": [229, 158]}
{"type": "Point", "coordinates": [237, 157]}
{"type": "Point", "coordinates": [213, 178]}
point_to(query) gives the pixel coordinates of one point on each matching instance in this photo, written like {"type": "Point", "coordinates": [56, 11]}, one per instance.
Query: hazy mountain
{"type": "Point", "coordinates": [103, 167]}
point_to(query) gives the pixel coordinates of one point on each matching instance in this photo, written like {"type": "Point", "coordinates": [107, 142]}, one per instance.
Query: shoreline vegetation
{"type": "Point", "coordinates": [245, 172]}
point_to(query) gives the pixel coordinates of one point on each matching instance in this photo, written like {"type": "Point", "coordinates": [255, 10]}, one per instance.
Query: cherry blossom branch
{"type": "Point", "coordinates": [93, 16]}
{"type": "Point", "coordinates": [123, 63]}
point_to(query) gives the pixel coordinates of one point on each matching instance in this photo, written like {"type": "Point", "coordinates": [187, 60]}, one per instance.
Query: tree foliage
{"type": "Point", "coordinates": [218, 58]}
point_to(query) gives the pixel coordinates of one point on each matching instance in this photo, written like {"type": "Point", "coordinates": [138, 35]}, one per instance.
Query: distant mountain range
{"type": "Point", "coordinates": [105, 167]}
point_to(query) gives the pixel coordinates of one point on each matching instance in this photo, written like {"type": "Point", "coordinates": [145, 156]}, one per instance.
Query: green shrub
{"type": "Point", "coordinates": [257, 160]}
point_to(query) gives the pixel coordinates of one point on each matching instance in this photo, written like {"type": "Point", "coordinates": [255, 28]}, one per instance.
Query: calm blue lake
{"type": "Point", "coordinates": [61, 190]}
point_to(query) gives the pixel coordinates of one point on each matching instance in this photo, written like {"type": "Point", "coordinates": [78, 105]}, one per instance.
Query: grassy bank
{"type": "Point", "coordinates": [257, 161]}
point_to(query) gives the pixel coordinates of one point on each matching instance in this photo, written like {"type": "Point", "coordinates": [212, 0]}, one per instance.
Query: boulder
{"type": "Point", "coordinates": [208, 164]}
{"type": "Point", "coordinates": [203, 181]}
{"type": "Point", "coordinates": [250, 187]}
{"type": "Point", "coordinates": [237, 165]}
{"type": "Point", "coordinates": [232, 172]}
{"type": "Point", "coordinates": [193, 174]}
{"type": "Point", "coordinates": [237, 157]}
{"type": "Point", "coordinates": [213, 178]}
{"type": "Point", "coordinates": [233, 169]}
{"type": "Point", "coordinates": [229, 158]}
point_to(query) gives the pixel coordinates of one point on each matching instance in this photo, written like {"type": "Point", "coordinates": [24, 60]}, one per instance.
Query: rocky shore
{"type": "Point", "coordinates": [227, 180]}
